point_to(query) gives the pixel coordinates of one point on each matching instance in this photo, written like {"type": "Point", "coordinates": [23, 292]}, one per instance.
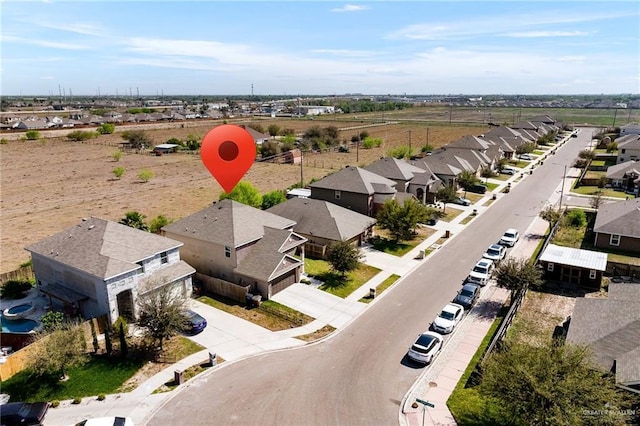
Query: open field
{"type": "Point", "coordinates": [51, 184]}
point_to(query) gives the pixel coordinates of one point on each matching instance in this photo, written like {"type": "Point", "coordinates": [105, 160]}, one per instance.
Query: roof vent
{"type": "Point", "coordinates": [91, 226]}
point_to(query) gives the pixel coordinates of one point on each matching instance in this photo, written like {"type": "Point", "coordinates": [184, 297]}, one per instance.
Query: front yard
{"type": "Point", "coordinates": [382, 241]}
{"type": "Point", "coordinates": [333, 282]}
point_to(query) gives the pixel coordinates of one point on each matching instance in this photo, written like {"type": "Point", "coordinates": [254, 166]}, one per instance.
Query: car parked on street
{"type": "Point", "coordinates": [426, 347]}
{"type": "Point", "coordinates": [195, 322]}
{"type": "Point", "coordinates": [495, 252]}
{"type": "Point", "coordinates": [23, 413]}
{"type": "Point", "coordinates": [462, 201]}
{"type": "Point", "coordinates": [481, 272]}
{"type": "Point", "coordinates": [509, 238]}
{"type": "Point", "coordinates": [467, 295]}
{"type": "Point", "coordinates": [448, 318]}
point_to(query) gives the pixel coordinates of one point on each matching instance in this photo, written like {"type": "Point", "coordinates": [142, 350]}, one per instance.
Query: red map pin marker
{"type": "Point", "coordinates": [228, 151]}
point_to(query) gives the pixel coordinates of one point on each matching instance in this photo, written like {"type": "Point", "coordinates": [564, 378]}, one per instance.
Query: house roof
{"type": "Point", "coordinates": [267, 259]}
{"type": "Point", "coordinates": [323, 219]}
{"type": "Point", "coordinates": [621, 218]}
{"type": "Point", "coordinates": [619, 170]}
{"type": "Point", "coordinates": [166, 146]}
{"type": "Point", "coordinates": [392, 168]}
{"type": "Point", "coordinates": [628, 142]}
{"type": "Point", "coordinates": [611, 328]}
{"type": "Point", "coordinates": [228, 223]}
{"type": "Point", "coordinates": [356, 180]}
{"type": "Point", "coordinates": [102, 248]}
{"type": "Point", "coordinates": [168, 274]}
{"type": "Point", "coordinates": [575, 257]}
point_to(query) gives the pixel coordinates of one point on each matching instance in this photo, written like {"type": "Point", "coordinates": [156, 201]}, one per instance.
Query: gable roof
{"type": "Point", "coordinates": [611, 328]}
{"type": "Point", "coordinates": [228, 223]}
{"type": "Point", "coordinates": [392, 168]}
{"type": "Point", "coordinates": [628, 142]}
{"type": "Point", "coordinates": [621, 218]}
{"type": "Point", "coordinates": [323, 219]}
{"type": "Point", "coordinates": [356, 180]}
{"type": "Point", "coordinates": [102, 248]}
{"type": "Point", "coordinates": [267, 259]}
{"type": "Point", "coordinates": [619, 170]}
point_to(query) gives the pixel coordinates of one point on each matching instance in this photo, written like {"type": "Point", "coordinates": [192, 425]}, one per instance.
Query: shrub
{"type": "Point", "coordinates": [106, 129]}
{"type": "Point", "coordinates": [117, 155]}
{"type": "Point", "coordinates": [146, 175]}
{"type": "Point", "coordinates": [76, 401]}
{"type": "Point", "coordinates": [116, 325]}
{"type": "Point", "coordinates": [576, 218]}
{"type": "Point", "coordinates": [101, 397]}
{"type": "Point", "coordinates": [55, 403]}
{"type": "Point", "coordinates": [118, 172]}
{"type": "Point", "coordinates": [3, 141]}
{"type": "Point", "coordinates": [369, 143]}
{"type": "Point", "coordinates": [52, 320]}
{"type": "Point", "coordinates": [32, 135]}
{"type": "Point", "coordinates": [15, 289]}
{"type": "Point", "coordinates": [81, 135]}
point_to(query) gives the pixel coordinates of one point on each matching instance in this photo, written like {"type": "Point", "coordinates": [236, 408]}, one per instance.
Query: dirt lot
{"type": "Point", "coordinates": [50, 184]}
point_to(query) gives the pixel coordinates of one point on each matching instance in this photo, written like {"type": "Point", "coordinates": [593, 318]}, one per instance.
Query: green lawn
{"type": "Point", "coordinates": [384, 243]}
{"type": "Point", "coordinates": [491, 186]}
{"type": "Point", "coordinates": [538, 152]}
{"type": "Point", "coordinates": [592, 190]}
{"type": "Point", "coordinates": [519, 163]}
{"type": "Point", "coordinates": [381, 287]}
{"type": "Point", "coordinates": [101, 375]}
{"type": "Point", "coordinates": [597, 163]}
{"type": "Point", "coordinates": [502, 176]}
{"type": "Point", "coordinates": [333, 282]}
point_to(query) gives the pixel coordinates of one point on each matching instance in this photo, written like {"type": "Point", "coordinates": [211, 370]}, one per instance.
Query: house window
{"type": "Point", "coordinates": [227, 251]}
{"type": "Point", "coordinates": [622, 151]}
{"type": "Point", "coordinates": [614, 240]}
{"type": "Point", "coordinates": [592, 274]}
{"type": "Point", "coordinates": [550, 267]}
{"type": "Point", "coordinates": [164, 258]}
{"type": "Point", "coordinates": [142, 266]}
{"type": "Point", "coordinates": [338, 195]}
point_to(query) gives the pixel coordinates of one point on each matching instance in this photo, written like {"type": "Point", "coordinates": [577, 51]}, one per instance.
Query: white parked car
{"type": "Point", "coordinates": [448, 318]}
{"type": "Point", "coordinates": [526, 157]}
{"type": "Point", "coordinates": [426, 347]}
{"type": "Point", "coordinates": [509, 238]}
{"type": "Point", "coordinates": [495, 252]}
{"type": "Point", "coordinates": [462, 201]}
{"type": "Point", "coordinates": [481, 272]}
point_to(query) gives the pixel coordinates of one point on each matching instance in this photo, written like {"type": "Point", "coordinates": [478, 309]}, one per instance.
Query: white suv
{"type": "Point", "coordinates": [481, 273]}
{"type": "Point", "coordinates": [510, 237]}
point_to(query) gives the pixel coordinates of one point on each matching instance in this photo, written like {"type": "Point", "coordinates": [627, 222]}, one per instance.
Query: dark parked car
{"type": "Point", "coordinates": [478, 188]}
{"type": "Point", "coordinates": [23, 413]}
{"type": "Point", "coordinates": [467, 295]}
{"type": "Point", "coordinates": [196, 322]}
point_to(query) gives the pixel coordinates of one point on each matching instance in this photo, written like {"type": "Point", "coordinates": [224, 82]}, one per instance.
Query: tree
{"type": "Point", "coordinates": [156, 224]}
{"type": "Point", "coordinates": [587, 154]}
{"type": "Point", "coordinates": [343, 257]}
{"type": "Point", "coordinates": [245, 193]}
{"type": "Point", "coordinates": [106, 128]}
{"type": "Point", "coordinates": [550, 214]}
{"type": "Point", "coordinates": [161, 312]}
{"type": "Point", "coordinates": [487, 172]}
{"type": "Point", "coordinates": [134, 219]}
{"type": "Point", "coordinates": [447, 194]}
{"type": "Point", "coordinates": [400, 152]}
{"type": "Point", "coordinates": [272, 198]}
{"type": "Point", "coordinates": [118, 172]}
{"type": "Point", "coordinates": [81, 135]}
{"type": "Point", "coordinates": [596, 200]}
{"type": "Point", "coordinates": [517, 274]}
{"type": "Point", "coordinates": [137, 138]}
{"type": "Point", "coordinates": [145, 175]}
{"type": "Point", "coordinates": [402, 220]}
{"type": "Point", "coordinates": [273, 130]}
{"type": "Point", "coordinates": [576, 218]}
{"type": "Point", "coordinates": [550, 384]}
{"type": "Point", "coordinates": [58, 350]}
{"type": "Point", "coordinates": [192, 142]}
{"type": "Point", "coordinates": [526, 148]}
{"type": "Point", "coordinates": [269, 148]}
{"type": "Point", "coordinates": [467, 179]}
{"type": "Point", "coordinates": [32, 135]}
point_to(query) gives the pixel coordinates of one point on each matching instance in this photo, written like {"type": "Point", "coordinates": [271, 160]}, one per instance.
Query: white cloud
{"type": "Point", "coordinates": [539, 34]}
{"type": "Point", "coordinates": [350, 8]}
{"type": "Point", "coordinates": [346, 52]}
{"type": "Point", "coordinates": [44, 43]}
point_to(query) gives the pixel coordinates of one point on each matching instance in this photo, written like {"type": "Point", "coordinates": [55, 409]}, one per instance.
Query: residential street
{"type": "Point", "coordinates": [360, 376]}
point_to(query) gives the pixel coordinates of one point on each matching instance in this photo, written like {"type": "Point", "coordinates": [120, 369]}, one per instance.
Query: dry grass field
{"type": "Point", "coordinates": [51, 184]}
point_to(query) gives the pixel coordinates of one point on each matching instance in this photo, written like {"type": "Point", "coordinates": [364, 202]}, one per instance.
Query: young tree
{"type": "Point", "coordinates": [245, 193]}
{"type": "Point", "coordinates": [550, 214]}
{"type": "Point", "coordinates": [550, 384]}
{"type": "Point", "coordinates": [274, 130]}
{"type": "Point", "coordinates": [58, 350]}
{"type": "Point", "coordinates": [402, 220]}
{"type": "Point", "coordinates": [118, 172]}
{"type": "Point", "coordinates": [467, 179]}
{"type": "Point", "coordinates": [400, 152]}
{"type": "Point", "coordinates": [447, 194]}
{"type": "Point", "coordinates": [596, 200]}
{"type": "Point", "coordinates": [272, 198]}
{"type": "Point", "coordinates": [145, 175]}
{"type": "Point", "coordinates": [134, 219]}
{"type": "Point", "coordinates": [156, 224]}
{"type": "Point", "coordinates": [517, 274]}
{"type": "Point", "coordinates": [106, 128]}
{"type": "Point", "coordinates": [343, 257]}
{"type": "Point", "coordinates": [161, 313]}
{"type": "Point", "coordinates": [526, 148]}
{"type": "Point", "coordinates": [137, 138]}
{"type": "Point", "coordinates": [192, 142]}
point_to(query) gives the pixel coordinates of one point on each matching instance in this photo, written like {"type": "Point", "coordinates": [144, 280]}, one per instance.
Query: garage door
{"type": "Point", "coordinates": [283, 282]}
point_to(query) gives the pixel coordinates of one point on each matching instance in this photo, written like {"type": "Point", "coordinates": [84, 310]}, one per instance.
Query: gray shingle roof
{"type": "Point", "coordinates": [102, 248]}
{"type": "Point", "coordinates": [323, 219]}
{"type": "Point", "coordinates": [267, 260]}
{"type": "Point", "coordinates": [575, 257]}
{"type": "Point", "coordinates": [618, 171]}
{"type": "Point", "coordinates": [165, 275]}
{"type": "Point", "coordinates": [611, 328]}
{"type": "Point", "coordinates": [392, 168]}
{"type": "Point", "coordinates": [356, 180]}
{"type": "Point", "coordinates": [628, 142]}
{"type": "Point", "coordinates": [228, 223]}
{"type": "Point", "coordinates": [622, 218]}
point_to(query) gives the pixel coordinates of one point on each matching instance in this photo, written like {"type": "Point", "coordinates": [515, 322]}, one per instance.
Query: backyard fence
{"type": "Point", "coordinates": [224, 288]}
{"type": "Point", "coordinates": [23, 273]}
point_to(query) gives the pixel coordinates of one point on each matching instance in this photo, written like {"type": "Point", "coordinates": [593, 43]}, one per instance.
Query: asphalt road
{"type": "Point", "coordinates": [360, 376]}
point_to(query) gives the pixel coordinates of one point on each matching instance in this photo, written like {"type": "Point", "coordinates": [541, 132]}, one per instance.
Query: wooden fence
{"type": "Point", "coordinates": [224, 288]}
{"type": "Point", "coordinates": [23, 273]}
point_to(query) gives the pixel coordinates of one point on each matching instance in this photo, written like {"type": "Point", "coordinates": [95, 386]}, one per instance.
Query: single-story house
{"type": "Point", "coordinates": [611, 329]}
{"type": "Point", "coordinates": [165, 148]}
{"type": "Point", "coordinates": [572, 266]}
{"type": "Point", "coordinates": [99, 267]}
{"type": "Point", "coordinates": [356, 189]}
{"type": "Point", "coordinates": [630, 129]}
{"type": "Point", "coordinates": [617, 226]}
{"type": "Point", "coordinates": [323, 223]}
{"type": "Point", "coordinates": [242, 246]}
{"type": "Point", "coordinates": [625, 176]}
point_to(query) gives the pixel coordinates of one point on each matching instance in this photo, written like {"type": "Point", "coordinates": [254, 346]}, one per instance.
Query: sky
{"type": "Point", "coordinates": [319, 48]}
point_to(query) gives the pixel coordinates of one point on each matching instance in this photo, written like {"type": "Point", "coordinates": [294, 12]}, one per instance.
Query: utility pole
{"type": "Point", "coordinates": [409, 144]}
{"type": "Point", "coordinates": [564, 176]}
{"type": "Point", "coordinates": [615, 114]}
{"type": "Point", "coordinates": [301, 177]}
